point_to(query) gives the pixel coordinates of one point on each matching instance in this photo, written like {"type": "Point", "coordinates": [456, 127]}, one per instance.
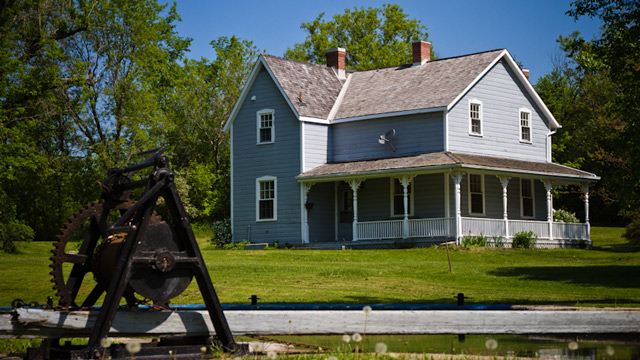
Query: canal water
{"type": "Point", "coordinates": [584, 346]}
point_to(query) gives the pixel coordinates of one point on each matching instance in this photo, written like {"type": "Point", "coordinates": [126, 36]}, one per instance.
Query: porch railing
{"type": "Point", "coordinates": [439, 227]}
{"type": "Point", "coordinates": [481, 226]}
{"type": "Point", "coordinates": [374, 230]}
{"type": "Point", "coordinates": [571, 231]}
{"type": "Point", "coordinates": [445, 227]}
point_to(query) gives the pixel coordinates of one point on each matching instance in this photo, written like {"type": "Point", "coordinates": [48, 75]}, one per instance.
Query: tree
{"type": "Point", "coordinates": [373, 37]}
{"type": "Point", "coordinates": [77, 96]}
{"type": "Point", "coordinates": [197, 105]}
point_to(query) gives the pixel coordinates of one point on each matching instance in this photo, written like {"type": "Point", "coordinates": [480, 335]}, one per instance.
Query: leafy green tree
{"type": "Point", "coordinates": [373, 37]}
{"type": "Point", "coordinates": [199, 102]}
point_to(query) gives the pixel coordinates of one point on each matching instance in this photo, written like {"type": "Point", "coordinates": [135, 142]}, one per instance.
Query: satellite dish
{"type": "Point", "coordinates": [387, 137]}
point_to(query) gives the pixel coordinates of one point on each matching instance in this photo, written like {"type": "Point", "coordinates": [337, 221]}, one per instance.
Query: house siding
{"type": "Point", "coordinates": [415, 134]}
{"type": "Point", "coordinates": [502, 96]}
{"type": "Point", "coordinates": [316, 145]}
{"type": "Point", "coordinates": [280, 159]}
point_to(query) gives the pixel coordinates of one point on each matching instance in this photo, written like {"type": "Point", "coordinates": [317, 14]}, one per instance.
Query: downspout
{"type": "Point", "coordinates": [549, 134]}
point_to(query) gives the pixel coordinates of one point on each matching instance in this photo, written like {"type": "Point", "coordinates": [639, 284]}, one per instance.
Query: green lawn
{"type": "Point", "coordinates": [605, 276]}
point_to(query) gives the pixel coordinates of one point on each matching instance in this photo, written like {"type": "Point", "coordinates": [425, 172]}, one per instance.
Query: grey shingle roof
{"type": "Point", "coordinates": [442, 159]}
{"type": "Point", "coordinates": [435, 84]}
{"type": "Point", "coordinates": [318, 85]}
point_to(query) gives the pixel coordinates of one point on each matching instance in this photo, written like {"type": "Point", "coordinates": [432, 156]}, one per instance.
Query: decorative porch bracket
{"type": "Point", "coordinates": [504, 181]}
{"type": "Point", "coordinates": [355, 185]}
{"type": "Point", "coordinates": [548, 185]}
{"type": "Point", "coordinates": [457, 179]}
{"type": "Point", "coordinates": [405, 181]}
{"type": "Point", "coordinates": [585, 191]}
{"type": "Point", "coordinates": [306, 187]}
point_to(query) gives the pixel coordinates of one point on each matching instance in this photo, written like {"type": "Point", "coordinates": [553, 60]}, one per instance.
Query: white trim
{"type": "Point", "coordinates": [484, 194]}
{"type": "Point", "coordinates": [392, 194]}
{"type": "Point", "coordinates": [314, 120]}
{"type": "Point", "coordinates": [231, 175]}
{"type": "Point", "coordinates": [475, 101]}
{"type": "Point", "coordinates": [533, 199]}
{"type": "Point", "coordinates": [446, 130]}
{"type": "Point", "coordinates": [523, 80]}
{"type": "Point", "coordinates": [259, 114]}
{"type": "Point", "coordinates": [302, 149]}
{"type": "Point", "coordinates": [338, 102]}
{"type": "Point", "coordinates": [526, 111]}
{"type": "Point", "coordinates": [396, 113]}
{"type": "Point", "coordinates": [275, 197]}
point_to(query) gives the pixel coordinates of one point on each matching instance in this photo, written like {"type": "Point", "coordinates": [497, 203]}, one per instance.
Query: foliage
{"type": "Point", "coordinates": [221, 233]}
{"type": "Point", "coordinates": [524, 240]}
{"type": "Point", "coordinates": [566, 216]}
{"type": "Point", "coordinates": [498, 242]}
{"type": "Point", "coordinates": [474, 241]}
{"type": "Point", "coordinates": [373, 37]}
{"type": "Point", "coordinates": [632, 231]}
{"type": "Point", "coordinates": [594, 93]}
{"type": "Point", "coordinates": [236, 246]}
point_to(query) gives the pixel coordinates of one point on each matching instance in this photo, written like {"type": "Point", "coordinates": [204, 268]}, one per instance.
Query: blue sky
{"type": "Point", "coordinates": [527, 28]}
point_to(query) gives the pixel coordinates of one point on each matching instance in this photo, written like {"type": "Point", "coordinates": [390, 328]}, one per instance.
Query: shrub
{"type": "Point", "coordinates": [474, 241]}
{"type": "Point", "coordinates": [632, 232]}
{"type": "Point", "coordinates": [235, 246]}
{"type": "Point", "coordinates": [11, 232]}
{"type": "Point", "coordinates": [221, 233]}
{"type": "Point", "coordinates": [498, 242]}
{"type": "Point", "coordinates": [566, 216]}
{"type": "Point", "coordinates": [524, 240]}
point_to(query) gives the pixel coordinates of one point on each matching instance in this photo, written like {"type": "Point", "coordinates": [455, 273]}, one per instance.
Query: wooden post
{"type": "Point", "coordinates": [548, 185]}
{"type": "Point", "coordinates": [585, 190]}
{"type": "Point", "coordinates": [305, 191]}
{"type": "Point", "coordinates": [355, 185]}
{"type": "Point", "coordinates": [457, 179]}
{"type": "Point", "coordinates": [504, 181]}
{"type": "Point", "coordinates": [405, 181]}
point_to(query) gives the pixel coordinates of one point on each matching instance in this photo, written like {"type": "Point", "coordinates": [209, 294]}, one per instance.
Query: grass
{"type": "Point", "coordinates": [605, 276]}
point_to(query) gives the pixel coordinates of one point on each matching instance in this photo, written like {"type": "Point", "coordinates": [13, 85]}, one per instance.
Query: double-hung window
{"type": "Point", "coordinates": [266, 128]}
{"type": "Point", "coordinates": [266, 198]}
{"type": "Point", "coordinates": [397, 198]}
{"type": "Point", "coordinates": [476, 194]}
{"type": "Point", "coordinates": [526, 198]}
{"type": "Point", "coordinates": [525, 125]}
{"type": "Point", "coordinates": [475, 117]}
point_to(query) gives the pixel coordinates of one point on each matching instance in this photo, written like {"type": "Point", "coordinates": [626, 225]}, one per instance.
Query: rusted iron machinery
{"type": "Point", "coordinates": [132, 253]}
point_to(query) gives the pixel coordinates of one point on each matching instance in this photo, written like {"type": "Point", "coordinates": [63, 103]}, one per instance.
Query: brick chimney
{"type": "Point", "coordinates": [526, 73]}
{"type": "Point", "coordinates": [421, 52]}
{"type": "Point", "coordinates": [336, 60]}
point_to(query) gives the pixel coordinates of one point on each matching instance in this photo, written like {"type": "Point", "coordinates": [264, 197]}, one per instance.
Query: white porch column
{"type": "Point", "coordinates": [305, 191]}
{"type": "Point", "coordinates": [504, 181]}
{"type": "Point", "coordinates": [585, 190]}
{"type": "Point", "coordinates": [405, 181]}
{"type": "Point", "coordinates": [457, 179]}
{"type": "Point", "coordinates": [355, 185]}
{"type": "Point", "coordinates": [548, 185]}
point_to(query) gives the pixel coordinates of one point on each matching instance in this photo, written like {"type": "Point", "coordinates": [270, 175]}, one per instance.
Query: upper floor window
{"type": "Point", "coordinates": [475, 117]}
{"type": "Point", "coordinates": [525, 125]}
{"type": "Point", "coordinates": [476, 194]}
{"type": "Point", "coordinates": [266, 198]}
{"type": "Point", "coordinates": [526, 198]}
{"type": "Point", "coordinates": [397, 198]}
{"type": "Point", "coordinates": [266, 128]}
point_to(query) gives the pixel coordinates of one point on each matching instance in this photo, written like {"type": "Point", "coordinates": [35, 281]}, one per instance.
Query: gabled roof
{"type": "Point", "coordinates": [443, 160]}
{"type": "Point", "coordinates": [315, 93]}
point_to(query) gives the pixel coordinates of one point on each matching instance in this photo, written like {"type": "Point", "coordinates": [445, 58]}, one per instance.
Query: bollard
{"type": "Point", "coordinates": [254, 300]}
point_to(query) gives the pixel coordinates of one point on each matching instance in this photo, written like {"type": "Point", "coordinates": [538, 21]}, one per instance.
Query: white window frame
{"type": "Point", "coordinates": [259, 126]}
{"type": "Point", "coordinates": [275, 197]}
{"type": "Point", "coordinates": [520, 126]}
{"type": "Point", "coordinates": [533, 200]}
{"type": "Point", "coordinates": [392, 189]}
{"type": "Point", "coordinates": [480, 115]}
{"type": "Point", "coordinates": [482, 182]}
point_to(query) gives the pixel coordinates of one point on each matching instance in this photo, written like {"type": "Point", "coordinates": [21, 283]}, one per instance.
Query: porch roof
{"type": "Point", "coordinates": [443, 161]}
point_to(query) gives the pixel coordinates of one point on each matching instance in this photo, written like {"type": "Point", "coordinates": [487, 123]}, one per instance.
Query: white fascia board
{"type": "Point", "coordinates": [244, 93]}
{"type": "Point", "coordinates": [532, 92]}
{"type": "Point", "coordinates": [314, 120]}
{"type": "Point", "coordinates": [545, 175]}
{"type": "Point", "coordinates": [248, 86]}
{"type": "Point", "coordinates": [523, 80]}
{"type": "Point", "coordinates": [389, 114]}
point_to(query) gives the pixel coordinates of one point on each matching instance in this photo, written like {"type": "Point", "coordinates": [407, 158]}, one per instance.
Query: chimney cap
{"type": "Point", "coordinates": [338, 49]}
